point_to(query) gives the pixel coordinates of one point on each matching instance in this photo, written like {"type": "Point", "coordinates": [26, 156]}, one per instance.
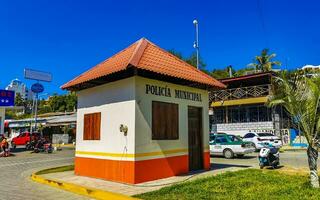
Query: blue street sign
{"type": "Point", "coordinates": [37, 88]}
{"type": "Point", "coordinates": [6, 98]}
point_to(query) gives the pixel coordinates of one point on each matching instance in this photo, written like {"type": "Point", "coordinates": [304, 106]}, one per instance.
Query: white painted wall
{"type": "Point", "coordinates": [243, 128]}
{"type": "Point", "coordinates": [125, 102]}
{"type": "Point", "coordinates": [143, 140]}
{"type": "Point", "coordinates": [116, 103]}
{"type": "Point", "coordinates": [2, 117]}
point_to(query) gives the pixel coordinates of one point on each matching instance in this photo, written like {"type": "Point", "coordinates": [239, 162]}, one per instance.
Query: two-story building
{"type": "Point", "coordinates": [241, 108]}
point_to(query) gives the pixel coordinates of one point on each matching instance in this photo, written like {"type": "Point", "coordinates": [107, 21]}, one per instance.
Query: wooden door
{"type": "Point", "coordinates": [195, 138]}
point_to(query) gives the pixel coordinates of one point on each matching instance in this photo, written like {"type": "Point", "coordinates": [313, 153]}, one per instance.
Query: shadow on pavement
{"type": "Point", "coordinates": [240, 158]}
{"type": "Point", "coordinates": [278, 167]}
{"type": "Point", "coordinates": [215, 166]}
{"type": "Point", "coordinates": [18, 150]}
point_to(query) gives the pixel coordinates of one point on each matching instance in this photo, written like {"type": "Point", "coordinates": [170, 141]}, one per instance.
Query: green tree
{"type": "Point", "coordinates": [71, 101]}
{"type": "Point", "coordinates": [62, 103]}
{"type": "Point", "coordinates": [44, 109]}
{"type": "Point", "coordinates": [264, 61]}
{"type": "Point", "coordinates": [300, 96]}
{"type": "Point", "coordinates": [192, 59]}
{"type": "Point", "coordinates": [244, 71]}
{"type": "Point", "coordinates": [227, 72]}
{"type": "Point", "coordinates": [19, 101]}
{"type": "Point", "coordinates": [57, 103]}
{"type": "Point", "coordinates": [219, 73]}
{"type": "Point", "coordinates": [176, 53]}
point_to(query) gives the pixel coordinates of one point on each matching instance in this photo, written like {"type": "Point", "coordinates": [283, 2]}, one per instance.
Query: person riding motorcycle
{"type": "Point", "coordinates": [269, 156]}
{"type": "Point", "coordinates": [43, 145]}
{"type": "Point", "coordinates": [4, 145]}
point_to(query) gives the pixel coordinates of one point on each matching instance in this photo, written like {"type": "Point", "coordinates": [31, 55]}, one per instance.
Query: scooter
{"type": "Point", "coordinates": [31, 145]}
{"type": "Point", "coordinates": [43, 146]}
{"type": "Point", "coordinates": [269, 156]}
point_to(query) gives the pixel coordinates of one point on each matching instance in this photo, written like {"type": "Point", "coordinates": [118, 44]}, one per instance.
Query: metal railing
{"type": "Point", "coordinates": [240, 93]}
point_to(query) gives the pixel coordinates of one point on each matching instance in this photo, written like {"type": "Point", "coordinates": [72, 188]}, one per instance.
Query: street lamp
{"type": "Point", "coordinates": [196, 42]}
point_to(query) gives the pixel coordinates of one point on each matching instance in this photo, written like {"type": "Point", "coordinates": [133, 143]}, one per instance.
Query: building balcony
{"type": "Point", "coordinates": [240, 93]}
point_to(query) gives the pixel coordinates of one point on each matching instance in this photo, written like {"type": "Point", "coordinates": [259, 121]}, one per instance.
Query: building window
{"type": "Point", "coordinates": [243, 114]}
{"type": "Point", "coordinates": [254, 114]}
{"type": "Point", "coordinates": [234, 115]}
{"type": "Point", "coordinates": [219, 115]}
{"type": "Point", "coordinates": [165, 121]}
{"type": "Point", "coordinates": [263, 114]}
{"type": "Point", "coordinates": [91, 127]}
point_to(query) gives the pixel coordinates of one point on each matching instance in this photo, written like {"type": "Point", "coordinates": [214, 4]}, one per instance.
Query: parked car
{"type": "Point", "coordinates": [229, 146]}
{"type": "Point", "coordinates": [24, 138]}
{"type": "Point", "coordinates": [259, 139]}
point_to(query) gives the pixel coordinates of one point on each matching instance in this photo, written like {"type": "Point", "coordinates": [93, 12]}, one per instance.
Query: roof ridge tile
{"type": "Point", "coordinates": [138, 52]}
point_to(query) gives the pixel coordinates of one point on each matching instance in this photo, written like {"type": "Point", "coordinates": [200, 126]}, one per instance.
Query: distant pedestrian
{"type": "Point", "coordinates": [4, 146]}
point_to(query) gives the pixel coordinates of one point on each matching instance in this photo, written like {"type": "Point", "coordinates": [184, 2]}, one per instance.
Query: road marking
{"type": "Point", "coordinates": [79, 189]}
{"type": "Point", "coordinates": [36, 161]}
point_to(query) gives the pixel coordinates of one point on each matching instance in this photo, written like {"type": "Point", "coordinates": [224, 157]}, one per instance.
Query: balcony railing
{"type": "Point", "coordinates": [240, 93]}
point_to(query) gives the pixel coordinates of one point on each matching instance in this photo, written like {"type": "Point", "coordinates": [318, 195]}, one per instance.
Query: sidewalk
{"type": "Point", "coordinates": [64, 145]}
{"type": "Point", "coordinates": [128, 189]}
{"type": "Point", "coordinates": [293, 148]}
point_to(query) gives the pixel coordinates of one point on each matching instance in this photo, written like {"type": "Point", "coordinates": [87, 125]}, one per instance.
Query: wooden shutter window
{"type": "Point", "coordinates": [165, 121]}
{"type": "Point", "coordinates": [91, 126]}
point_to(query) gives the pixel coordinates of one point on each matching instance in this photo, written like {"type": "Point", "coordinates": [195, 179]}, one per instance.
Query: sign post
{"type": "Point", "coordinates": [6, 100]}
{"type": "Point", "coordinates": [37, 88]}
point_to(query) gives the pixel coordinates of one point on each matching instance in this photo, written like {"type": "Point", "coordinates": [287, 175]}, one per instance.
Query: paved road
{"type": "Point", "coordinates": [15, 183]}
{"type": "Point", "coordinates": [293, 159]}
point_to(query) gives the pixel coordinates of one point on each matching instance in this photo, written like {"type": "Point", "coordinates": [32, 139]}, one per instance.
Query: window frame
{"type": "Point", "coordinates": [154, 124]}
{"type": "Point", "coordinates": [219, 139]}
{"type": "Point", "coordinates": [89, 130]}
{"type": "Point", "coordinates": [249, 134]}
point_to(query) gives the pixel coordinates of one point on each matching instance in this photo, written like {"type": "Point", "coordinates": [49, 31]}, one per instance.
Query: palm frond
{"type": "Point", "coordinates": [300, 96]}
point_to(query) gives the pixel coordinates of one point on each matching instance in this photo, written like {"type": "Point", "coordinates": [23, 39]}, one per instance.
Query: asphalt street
{"type": "Point", "coordinates": [15, 171]}
{"type": "Point", "coordinates": [295, 159]}
{"type": "Point", "coordinates": [16, 184]}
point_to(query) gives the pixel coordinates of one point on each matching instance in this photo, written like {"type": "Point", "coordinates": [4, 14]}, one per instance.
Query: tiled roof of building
{"type": "Point", "coordinates": [246, 77]}
{"type": "Point", "coordinates": [146, 56]}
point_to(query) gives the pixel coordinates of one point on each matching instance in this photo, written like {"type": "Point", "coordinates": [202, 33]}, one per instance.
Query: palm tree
{"type": "Point", "coordinates": [300, 96]}
{"type": "Point", "coordinates": [264, 61]}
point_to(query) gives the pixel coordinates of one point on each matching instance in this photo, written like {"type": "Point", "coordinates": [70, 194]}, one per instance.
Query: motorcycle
{"type": "Point", "coordinates": [31, 145]}
{"type": "Point", "coordinates": [269, 156]}
{"type": "Point", "coordinates": [43, 146]}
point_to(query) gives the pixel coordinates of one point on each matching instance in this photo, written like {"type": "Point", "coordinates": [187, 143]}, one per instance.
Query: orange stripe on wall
{"type": "Point", "coordinates": [135, 171]}
{"type": "Point", "coordinates": [206, 160]}
{"type": "Point", "coordinates": [114, 170]}
{"type": "Point", "coordinates": [147, 170]}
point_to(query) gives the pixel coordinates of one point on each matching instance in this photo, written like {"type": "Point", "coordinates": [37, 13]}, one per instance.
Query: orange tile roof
{"type": "Point", "coordinates": [147, 56]}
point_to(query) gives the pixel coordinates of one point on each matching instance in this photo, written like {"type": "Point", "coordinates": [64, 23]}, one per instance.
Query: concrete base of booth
{"type": "Point", "coordinates": [134, 172]}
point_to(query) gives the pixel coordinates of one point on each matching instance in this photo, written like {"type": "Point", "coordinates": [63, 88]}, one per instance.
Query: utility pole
{"type": "Point", "coordinates": [36, 112]}
{"type": "Point", "coordinates": [196, 42]}
{"type": "Point", "coordinates": [32, 110]}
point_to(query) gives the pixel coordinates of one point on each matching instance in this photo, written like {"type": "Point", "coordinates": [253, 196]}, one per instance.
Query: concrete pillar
{"type": "Point", "coordinates": [2, 116]}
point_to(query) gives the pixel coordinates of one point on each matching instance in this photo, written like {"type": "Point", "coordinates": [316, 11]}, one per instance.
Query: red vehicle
{"type": "Point", "coordinates": [24, 138]}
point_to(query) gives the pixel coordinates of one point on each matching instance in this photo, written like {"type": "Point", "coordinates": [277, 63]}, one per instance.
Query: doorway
{"type": "Point", "coordinates": [195, 138]}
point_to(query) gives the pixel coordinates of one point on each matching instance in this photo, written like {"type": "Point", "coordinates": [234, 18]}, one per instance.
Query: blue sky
{"type": "Point", "coordinates": [68, 37]}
